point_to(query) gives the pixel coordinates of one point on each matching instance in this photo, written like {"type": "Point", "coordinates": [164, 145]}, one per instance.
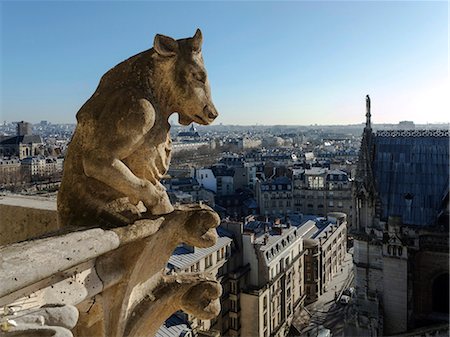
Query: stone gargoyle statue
{"type": "Point", "coordinates": [119, 152]}
{"type": "Point", "coordinates": [121, 146]}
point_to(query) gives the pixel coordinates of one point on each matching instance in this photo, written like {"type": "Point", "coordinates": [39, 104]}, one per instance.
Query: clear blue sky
{"type": "Point", "coordinates": [268, 62]}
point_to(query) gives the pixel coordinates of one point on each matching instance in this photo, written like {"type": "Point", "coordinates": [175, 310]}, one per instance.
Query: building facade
{"type": "Point", "coordinates": [320, 190]}
{"type": "Point", "coordinates": [325, 244]}
{"type": "Point", "coordinates": [401, 231]}
{"type": "Point", "coordinates": [275, 196]}
{"type": "Point", "coordinates": [275, 284]}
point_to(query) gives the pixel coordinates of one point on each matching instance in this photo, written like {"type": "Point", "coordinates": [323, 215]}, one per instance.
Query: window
{"type": "Point", "coordinates": [197, 266]}
{"type": "Point", "coordinates": [265, 319]}
{"type": "Point", "coordinates": [233, 305]}
{"type": "Point", "coordinates": [208, 261]}
{"type": "Point", "coordinates": [233, 287]}
{"type": "Point", "coordinates": [234, 324]}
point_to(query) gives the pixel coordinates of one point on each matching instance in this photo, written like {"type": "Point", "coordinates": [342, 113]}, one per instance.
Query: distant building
{"type": "Point", "coordinates": [249, 143]}
{"type": "Point", "coordinates": [275, 196]}
{"type": "Point", "coordinates": [191, 134]}
{"type": "Point", "coordinates": [217, 178]}
{"type": "Point", "coordinates": [38, 168]}
{"type": "Point", "coordinates": [320, 190]}
{"type": "Point", "coordinates": [406, 125]}
{"type": "Point", "coordinates": [10, 172]}
{"type": "Point", "coordinates": [401, 217]}
{"type": "Point", "coordinates": [24, 129]}
{"type": "Point", "coordinates": [23, 145]}
{"type": "Point", "coordinates": [188, 190]}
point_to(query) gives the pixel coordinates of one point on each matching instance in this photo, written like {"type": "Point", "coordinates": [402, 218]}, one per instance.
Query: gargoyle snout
{"type": "Point", "coordinates": [211, 112]}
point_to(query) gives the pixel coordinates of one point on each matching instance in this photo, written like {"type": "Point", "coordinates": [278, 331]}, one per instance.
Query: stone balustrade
{"type": "Point", "coordinates": [106, 282]}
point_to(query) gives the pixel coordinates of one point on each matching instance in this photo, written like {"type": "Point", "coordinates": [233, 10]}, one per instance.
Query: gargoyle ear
{"type": "Point", "coordinates": [197, 40]}
{"type": "Point", "coordinates": [165, 45]}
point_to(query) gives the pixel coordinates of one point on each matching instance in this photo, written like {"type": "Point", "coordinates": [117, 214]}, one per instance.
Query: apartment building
{"type": "Point", "coordinates": [275, 282]}
{"type": "Point", "coordinates": [325, 243]}
{"type": "Point", "coordinates": [320, 190]}
{"type": "Point", "coordinates": [274, 196]}
{"type": "Point", "coordinates": [10, 172]}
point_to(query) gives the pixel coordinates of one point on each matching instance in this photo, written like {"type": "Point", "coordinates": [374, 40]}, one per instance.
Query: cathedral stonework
{"type": "Point", "coordinates": [103, 275]}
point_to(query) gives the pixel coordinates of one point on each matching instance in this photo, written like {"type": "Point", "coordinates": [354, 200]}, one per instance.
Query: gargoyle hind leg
{"type": "Point", "coordinates": [146, 246]}
{"type": "Point", "coordinates": [196, 294]}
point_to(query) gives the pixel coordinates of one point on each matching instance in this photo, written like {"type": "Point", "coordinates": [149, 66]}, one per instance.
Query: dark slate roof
{"type": "Point", "coordinates": [174, 326]}
{"type": "Point", "coordinates": [283, 180]}
{"type": "Point", "coordinates": [184, 181]}
{"type": "Point", "coordinates": [221, 170]}
{"type": "Point", "coordinates": [35, 139]}
{"type": "Point", "coordinates": [411, 171]}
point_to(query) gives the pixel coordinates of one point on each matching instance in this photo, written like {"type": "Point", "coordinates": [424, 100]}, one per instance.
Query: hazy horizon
{"type": "Point", "coordinates": [278, 63]}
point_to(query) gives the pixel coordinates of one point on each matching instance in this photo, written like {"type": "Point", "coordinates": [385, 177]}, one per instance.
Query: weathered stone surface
{"type": "Point", "coordinates": [34, 330]}
{"type": "Point", "coordinates": [25, 263]}
{"type": "Point", "coordinates": [121, 146]}
{"type": "Point", "coordinates": [59, 315]}
{"type": "Point", "coordinates": [17, 225]}
{"type": "Point", "coordinates": [119, 152]}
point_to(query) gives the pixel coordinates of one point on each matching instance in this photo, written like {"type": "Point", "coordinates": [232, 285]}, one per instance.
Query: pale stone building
{"type": "Point", "coordinates": [274, 196]}
{"type": "Point", "coordinates": [325, 242]}
{"type": "Point", "coordinates": [10, 172]}
{"type": "Point", "coordinates": [320, 190]}
{"type": "Point", "coordinates": [275, 283]}
{"type": "Point", "coordinates": [37, 168]}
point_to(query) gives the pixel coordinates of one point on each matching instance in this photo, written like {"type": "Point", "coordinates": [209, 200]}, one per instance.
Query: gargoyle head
{"type": "Point", "coordinates": [186, 82]}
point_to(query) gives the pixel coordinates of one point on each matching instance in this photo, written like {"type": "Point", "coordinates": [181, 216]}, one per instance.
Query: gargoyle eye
{"type": "Point", "coordinates": [200, 76]}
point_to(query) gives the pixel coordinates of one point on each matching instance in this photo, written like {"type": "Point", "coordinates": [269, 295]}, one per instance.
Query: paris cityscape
{"type": "Point", "coordinates": [137, 217]}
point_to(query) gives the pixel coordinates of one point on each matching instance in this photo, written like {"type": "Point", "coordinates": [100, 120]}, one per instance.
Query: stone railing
{"type": "Point", "coordinates": [99, 282]}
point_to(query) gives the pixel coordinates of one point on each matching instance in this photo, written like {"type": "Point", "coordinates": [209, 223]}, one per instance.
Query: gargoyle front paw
{"type": "Point", "coordinates": [197, 293]}
{"type": "Point", "coordinates": [203, 299]}
{"type": "Point", "coordinates": [199, 230]}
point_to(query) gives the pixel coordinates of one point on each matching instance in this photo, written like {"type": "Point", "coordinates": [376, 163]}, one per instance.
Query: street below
{"type": "Point", "coordinates": [327, 312]}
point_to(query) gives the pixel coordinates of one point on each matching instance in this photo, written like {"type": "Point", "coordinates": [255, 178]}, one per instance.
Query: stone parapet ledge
{"type": "Point", "coordinates": [33, 262]}
{"type": "Point", "coordinates": [113, 277]}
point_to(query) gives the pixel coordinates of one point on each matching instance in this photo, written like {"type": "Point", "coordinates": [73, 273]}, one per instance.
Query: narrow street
{"type": "Point", "coordinates": [326, 312]}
